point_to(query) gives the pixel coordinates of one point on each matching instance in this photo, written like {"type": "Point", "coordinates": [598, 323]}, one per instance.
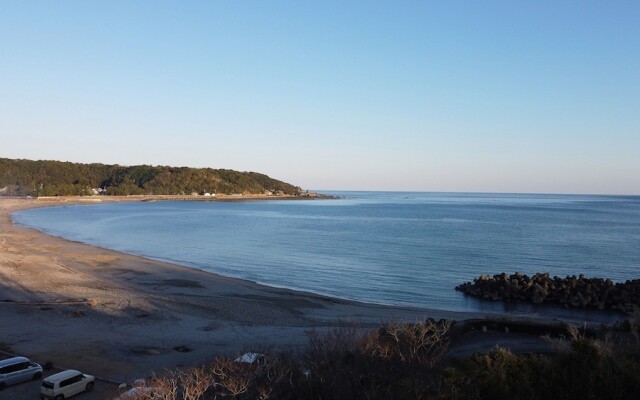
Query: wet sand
{"type": "Point", "coordinates": [120, 316]}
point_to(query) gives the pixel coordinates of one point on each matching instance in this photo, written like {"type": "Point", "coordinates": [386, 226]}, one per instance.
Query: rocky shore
{"type": "Point", "coordinates": [571, 291]}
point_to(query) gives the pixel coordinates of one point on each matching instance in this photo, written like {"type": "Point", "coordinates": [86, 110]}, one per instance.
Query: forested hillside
{"type": "Point", "coordinates": [56, 178]}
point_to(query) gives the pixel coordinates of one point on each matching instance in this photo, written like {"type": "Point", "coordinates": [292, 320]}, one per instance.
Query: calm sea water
{"type": "Point", "coordinates": [392, 248]}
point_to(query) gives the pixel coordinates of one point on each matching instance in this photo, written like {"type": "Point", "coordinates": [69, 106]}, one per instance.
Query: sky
{"type": "Point", "coordinates": [472, 96]}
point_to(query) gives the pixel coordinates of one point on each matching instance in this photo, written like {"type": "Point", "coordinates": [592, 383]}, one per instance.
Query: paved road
{"type": "Point", "coordinates": [479, 342]}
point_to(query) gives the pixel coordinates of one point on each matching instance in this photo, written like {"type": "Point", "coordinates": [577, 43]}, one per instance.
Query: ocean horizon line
{"type": "Point", "coordinates": [475, 192]}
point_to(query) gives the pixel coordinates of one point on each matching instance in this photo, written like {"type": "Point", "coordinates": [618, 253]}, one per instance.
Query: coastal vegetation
{"type": "Point", "coordinates": [56, 178]}
{"type": "Point", "coordinates": [571, 291]}
{"type": "Point", "coordinates": [410, 361]}
{"type": "Point", "coordinates": [587, 368]}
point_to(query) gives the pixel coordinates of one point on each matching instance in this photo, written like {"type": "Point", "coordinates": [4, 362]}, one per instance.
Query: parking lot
{"type": "Point", "coordinates": [31, 390]}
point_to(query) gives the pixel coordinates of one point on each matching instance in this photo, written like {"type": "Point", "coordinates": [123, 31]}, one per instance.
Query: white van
{"type": "Point", "coordinates": [65, 384]}
{"type": "Point", "coordinates": [18, 369]}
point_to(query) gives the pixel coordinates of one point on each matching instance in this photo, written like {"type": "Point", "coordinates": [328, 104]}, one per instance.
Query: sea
{"type": "Point", "coordinates": [393, 248]}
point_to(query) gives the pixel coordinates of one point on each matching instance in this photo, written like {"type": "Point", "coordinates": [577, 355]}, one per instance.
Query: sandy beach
{"type": "Point", "coordinates": [121, 316]}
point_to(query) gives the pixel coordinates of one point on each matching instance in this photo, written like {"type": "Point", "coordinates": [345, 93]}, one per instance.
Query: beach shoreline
{"type": "Point", "coordinates": [122, 316]}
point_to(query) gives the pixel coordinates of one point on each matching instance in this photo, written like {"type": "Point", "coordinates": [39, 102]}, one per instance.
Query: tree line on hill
{"type": "Point", "coordinates": [56, 178]}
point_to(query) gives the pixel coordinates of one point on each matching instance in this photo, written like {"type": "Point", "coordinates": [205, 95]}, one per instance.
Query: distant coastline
{"type": "Point", "coordinates": [56, 178]}
{"type": "Point", "coordinates": [150, 197]}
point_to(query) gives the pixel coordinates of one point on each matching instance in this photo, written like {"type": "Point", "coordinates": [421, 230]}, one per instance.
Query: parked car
{"type": "Point", "coordinates": [18, 369]}
{"type": "Point", "coordinates": [65, 384]}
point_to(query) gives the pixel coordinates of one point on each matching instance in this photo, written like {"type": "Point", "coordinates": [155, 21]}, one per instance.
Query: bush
{"type": "Point", "coordinates": [406, 361]}
{"type": "Point", "coordinates": [498, 375]}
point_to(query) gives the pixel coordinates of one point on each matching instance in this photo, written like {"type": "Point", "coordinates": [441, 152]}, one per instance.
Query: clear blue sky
{"type": "Point", "coordinates": [500, 96]}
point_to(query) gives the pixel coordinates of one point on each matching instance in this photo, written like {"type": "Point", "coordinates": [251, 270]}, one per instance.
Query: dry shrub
{"type": "Point", "coordinates": [634, 323]}
{"type": "Point", "coordinates": [400, 361]}
{"type": "Point", "coordinates": [326, 348]}
{"type": "Point", "coordinates": [195, 382]}
{"type": "Point", "coordinates": [584, 369]}
{"type": "Point", "coordinates": [232, 378]}
{"type": "Point", "coordinates": [159, 387]}
{"type": "Point", "coordinates": [166, 386]}
{"type": "Point", "coordinates": [393, 362]}
{"type": "Point", "coordinates": [280, 378]}
{"type": "Point", "coordinates": [422, 343]}
{"type": "Point", "coordinates": [499, 374]}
